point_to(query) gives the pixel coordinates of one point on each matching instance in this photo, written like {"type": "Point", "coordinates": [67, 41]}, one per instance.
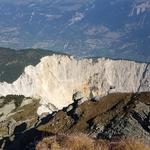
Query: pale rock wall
{"type": "Point", "coordinates": [56, 78]}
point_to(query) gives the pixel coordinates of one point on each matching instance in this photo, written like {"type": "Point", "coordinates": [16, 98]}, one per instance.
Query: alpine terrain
{"type": "Point", "coordinates": [75, 75]}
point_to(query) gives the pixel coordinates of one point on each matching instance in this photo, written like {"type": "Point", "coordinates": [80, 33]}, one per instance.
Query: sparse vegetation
{"type": "Point", "coordinates": [28, 111]}
{"type": "Point", "coordinates": [109, 119]}
{"type": "Point", "coordinates": [102, 111]}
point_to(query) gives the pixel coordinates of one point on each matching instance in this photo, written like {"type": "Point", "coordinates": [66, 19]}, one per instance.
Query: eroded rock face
{"type": "Point", "coordinates": [56, 78]}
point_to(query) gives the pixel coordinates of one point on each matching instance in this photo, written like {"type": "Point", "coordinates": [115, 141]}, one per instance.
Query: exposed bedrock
{"type": "Point", "coordinates": [56, 78]}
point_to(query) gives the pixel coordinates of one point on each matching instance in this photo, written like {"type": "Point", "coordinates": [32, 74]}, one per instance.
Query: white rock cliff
{"type": "Point", "coordinates": [56, 78]}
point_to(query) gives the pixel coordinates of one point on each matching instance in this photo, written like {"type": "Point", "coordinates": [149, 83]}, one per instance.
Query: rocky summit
{"type": "Point", "coordinates": [58, 77]}
{"type": "Point", "coordinates": [117, 115]}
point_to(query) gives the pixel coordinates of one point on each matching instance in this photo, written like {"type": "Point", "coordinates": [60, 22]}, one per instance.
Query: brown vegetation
{"type": "Point", "coordinates": [83, 142]}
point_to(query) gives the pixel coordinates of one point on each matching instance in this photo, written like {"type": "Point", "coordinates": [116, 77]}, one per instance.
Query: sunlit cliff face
{"type": "Point", "coordinates": [56, 78]}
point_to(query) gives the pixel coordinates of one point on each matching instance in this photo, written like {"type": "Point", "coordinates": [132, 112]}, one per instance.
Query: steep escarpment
{"type": "Point", "coordinates": [56, 78]}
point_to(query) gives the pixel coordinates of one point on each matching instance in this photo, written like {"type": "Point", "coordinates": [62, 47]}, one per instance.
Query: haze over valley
{"type": "Point", "coordinates": [89, 28]}
{"type": "Point", "coordinates": [75, 75]}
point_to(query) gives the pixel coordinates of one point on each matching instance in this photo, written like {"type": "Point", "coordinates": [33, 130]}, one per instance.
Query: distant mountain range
{"type": "Point", "coordinates": [110, 28]}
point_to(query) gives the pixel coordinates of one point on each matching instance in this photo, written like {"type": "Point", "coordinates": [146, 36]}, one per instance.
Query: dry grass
{"type": "Point", "coordinates": [83, 142]}
{"type": "Point", "coordinates": [70, 142]}
{"type": "Point", "coordinates": [129, 144]}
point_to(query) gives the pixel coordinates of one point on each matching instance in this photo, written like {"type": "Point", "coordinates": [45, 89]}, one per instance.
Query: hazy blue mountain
{"type": "Point", "coordinates": [110, 28]}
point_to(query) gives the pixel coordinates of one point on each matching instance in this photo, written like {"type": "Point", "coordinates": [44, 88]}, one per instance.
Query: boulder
{"type": "Point", "coordinates": [77, 96]}
{"type": "Point", "coordinates": [69, 108]}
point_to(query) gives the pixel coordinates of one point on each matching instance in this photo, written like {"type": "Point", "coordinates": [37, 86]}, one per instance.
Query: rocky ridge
{"type": "Point", "coordinates": [56, 78]}
{"type": "Point", "coordinates": [115, 115]}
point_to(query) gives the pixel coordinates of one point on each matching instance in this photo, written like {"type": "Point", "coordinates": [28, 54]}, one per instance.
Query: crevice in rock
{"type": "Point", "coordinates": [143, 76]}
{"type": "Point", "coordinates": [144, 122]}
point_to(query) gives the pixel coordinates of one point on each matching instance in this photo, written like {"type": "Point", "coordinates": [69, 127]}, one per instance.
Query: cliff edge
{"type": "Point", "coordinates": [56, 78]}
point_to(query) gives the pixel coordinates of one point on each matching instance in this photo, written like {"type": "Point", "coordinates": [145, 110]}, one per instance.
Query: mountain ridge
{"type": "Point", "coordinates": [19, 59]}
{"type": "Point", "coordinates": [115, 116]}
{"type": "Point", "coordinates": [13, 62]}
{"type": "Point", "coordinates": [64, 75]}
